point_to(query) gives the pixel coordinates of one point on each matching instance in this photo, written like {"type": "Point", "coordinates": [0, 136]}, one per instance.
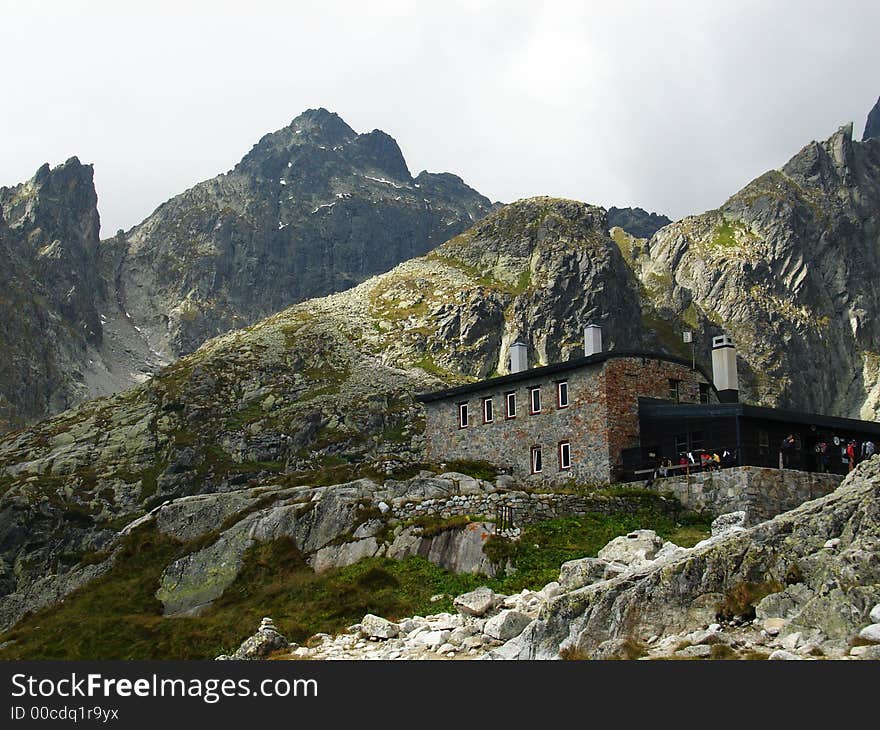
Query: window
{"type": "Point", "coordinates": [705, 392]}
{"type": "Point", "coordinates": [681, 443]}
{"type": "Point", "coordinates": [564, 455]}
{"type": "Point", "coordinates": [488, 416]}
{"type": "Point", "coordinates": [763, 442]}
{"type": "Point", "coordinates": [510, 405]}
{"type": "Point", "coordinates": [462, 415]}
{"type": "Point", "coordinates": [537, 466]}
{"type": "Point", "coordinates": [674, 390]}
{"type": "Point", "coordinates": [562, 394]}
{"type": "Point", "coordinates": [534, 400]}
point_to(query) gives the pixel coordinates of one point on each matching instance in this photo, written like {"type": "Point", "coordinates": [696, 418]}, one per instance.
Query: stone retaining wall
{"type": "Point", "coordinates": [761, 492]}
{"type": "Point", "coordinates": [527, 506]}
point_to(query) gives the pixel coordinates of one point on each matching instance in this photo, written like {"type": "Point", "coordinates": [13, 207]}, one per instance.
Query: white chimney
{"type": "Point", "coordinates": [518, 357]}
{"type": "Point", "coordinates": [724, 369]}
{"type": "Point", "coordinates": [592, 339]}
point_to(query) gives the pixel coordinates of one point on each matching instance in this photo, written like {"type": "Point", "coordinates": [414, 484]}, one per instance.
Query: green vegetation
{"type": "Point", "coordinates": [485, 470]}
{"type": "Point", "coordinates": [724, 235]}
{"type": "Point", "coordinates": [117, 616]}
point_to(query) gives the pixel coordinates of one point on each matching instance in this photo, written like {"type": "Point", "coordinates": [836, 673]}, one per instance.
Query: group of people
{"type": "Point", "coordinates": [697, 460]}
{"type": "Point", "coordinates": [852, 452]}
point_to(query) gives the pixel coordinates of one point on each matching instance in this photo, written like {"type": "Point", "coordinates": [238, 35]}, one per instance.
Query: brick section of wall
{"type": "Point", "coordinates": [628, 379]}
{"type": "Point", "coordinates": [760, 491]}
{"type": "Point", "coordinates": [602, 419]}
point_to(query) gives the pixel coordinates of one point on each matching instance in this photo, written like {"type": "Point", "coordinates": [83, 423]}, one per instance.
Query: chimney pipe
{"type": "Point", "coordinates": [518, 357]}
{"type": "Point", "coordinates": [724, 369]}
{"type": "Point", "coordinates": [592, 339]}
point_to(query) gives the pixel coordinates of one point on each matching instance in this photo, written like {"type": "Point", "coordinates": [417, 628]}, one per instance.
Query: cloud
{"type": "Point", "coordinates": [672, 106]}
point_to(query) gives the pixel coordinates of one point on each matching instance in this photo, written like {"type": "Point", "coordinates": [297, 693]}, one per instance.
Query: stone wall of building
{"type": "Point", "coordinates": [761, 492]}
{"type": "Point", "coordinates": [508, 441]}
{"type": "Point", "coordinates": [601, 420]}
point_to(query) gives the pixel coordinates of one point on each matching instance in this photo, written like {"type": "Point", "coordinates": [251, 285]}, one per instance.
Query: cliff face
{"type": "Point", "coordinates": [872, 125]}
{"type": "Point", "coordinates": [49, 285]}
{"type": "Point", "coordinates": [312, 209]}
{"type": "Point", "coordinates": [788, 266]}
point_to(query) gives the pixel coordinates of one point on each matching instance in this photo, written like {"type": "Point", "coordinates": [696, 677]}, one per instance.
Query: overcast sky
{"type": "Point", "coordinates": [672, 106]}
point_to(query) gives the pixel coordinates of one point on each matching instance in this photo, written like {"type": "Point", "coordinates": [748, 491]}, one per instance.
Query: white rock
{"type": "Point", "coordinates": [376, 627]}
{"type": "Point", "coordinates": [477, 602]}
{"type": "Point", "coordinates": [506, 625]}
{"type": "Point", "coordinates": [431, 639]}
{"type": "Point", "coordinates": [727, 522]}
{"type": "Point", "coordinates": [774, 625]}
{"type": "Point", "coordinates": [551, 590]}
{"type": "Point", "coordinates": [447, 649]}
{"type": "Point", "coordinates": [636, 547]}
{"type": "Point", "coordinates": [875, 614]}
{"type": "Point", "coordinates": [670, 551]}
{"type": "Point", "coordinates": [700, 651]}
{"type": "Point", "coordinates": [458, 636]}
{"type": "Point", "coordinates": [791, 641]}
{"type": "Point", "coordinates": [866, 652]}
{"type": "Point", "coordinates": [383, 507]}
{"type": "Point", "coordinates": [832, 543]}
{"type": "Point", "coordinates": [782, 655]}
{"type": "Point", "coordinates": [871, 633]}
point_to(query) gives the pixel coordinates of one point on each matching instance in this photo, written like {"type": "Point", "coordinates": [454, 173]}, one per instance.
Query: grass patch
{"type": "Point", "coordinates": [484, 470]}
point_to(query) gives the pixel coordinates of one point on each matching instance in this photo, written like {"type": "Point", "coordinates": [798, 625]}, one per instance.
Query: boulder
{"type": "Point", "coordinates": [783, 655]}
{"type": "Point", "coordinates": [787, 603]}
{"type": "Point", "coordinates": [727, 522]}
{"type": "Point", "coordinates": [871, 633]}
{"type": "Point", "coordinates": [376, 627]}
{"type": "Point", "coordinates": [866, 652]}
{"type": "Point", "coordinates": [582, 572]}
{"type": "Point", "coordinates": [774, 625]}
{"type": "Point", "coordinates": [698, 651]}
{"type": "Point", "coordinates": [637, 547]}
{"type": "Point", "coordinates": [506, 625]}
{"type": "Point", "coordinates": [477, 602]}
{"type": "Point", "coordinates": [670, 551]}
{"type": "Point", "coordinates": [875, 614]}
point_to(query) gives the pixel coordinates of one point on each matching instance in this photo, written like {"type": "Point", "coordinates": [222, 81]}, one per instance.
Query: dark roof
{"type": "Point", "coordinates": [661, 411]}
{"type": "Point", "coordinates": [547, 370]}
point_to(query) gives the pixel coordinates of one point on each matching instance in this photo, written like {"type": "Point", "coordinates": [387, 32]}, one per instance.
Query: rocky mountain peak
{"type": "Point", "coordinates": [61, 201]}
{"type": "Point", "coordinates": [322, 124]}
{"type": "Point", "coordinates": [380, 150]}
{"type": "Point", "coordinates": [824, 163]}
{"type": "Point", "coordinates": [636, 221]}
{"type": "Point", "coordinates": [872, 125]}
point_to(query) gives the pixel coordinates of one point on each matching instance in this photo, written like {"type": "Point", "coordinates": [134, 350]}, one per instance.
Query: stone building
{"type": "Point", "coordinates": [566, 420]}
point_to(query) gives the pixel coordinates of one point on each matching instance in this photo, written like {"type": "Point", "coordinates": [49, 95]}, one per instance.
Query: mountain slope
{"type": "Point", "coordinates": [313, 208]}
{"type": "Point", "coordinates": [789, 267]}
{"type": "Point", "coordinates": [323, 390]}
